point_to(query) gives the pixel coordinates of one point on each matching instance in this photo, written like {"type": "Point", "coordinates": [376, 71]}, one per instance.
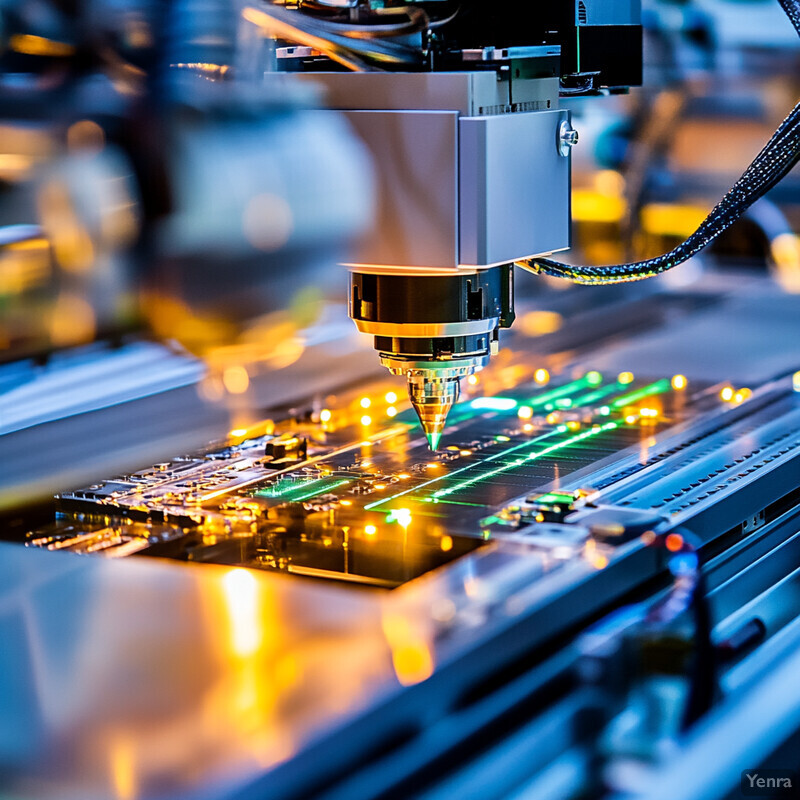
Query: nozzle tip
{"type": "Point", "coordinates": [434, 437]}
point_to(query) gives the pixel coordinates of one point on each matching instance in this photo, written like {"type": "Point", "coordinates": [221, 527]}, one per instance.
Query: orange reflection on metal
{"type": "Point", "coordinates": [241, 598]}
{"type": "Point", "coordinates": [411, 655]}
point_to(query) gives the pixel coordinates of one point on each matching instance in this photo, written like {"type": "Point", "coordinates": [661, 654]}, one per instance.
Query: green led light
{"type": "Point", "coordinates": [295, 491]}
{"type": "Point", "coordinates": [598, 394]}
{"type": "Point", "coordinates": [525, 459]}
{"type": "Point", "coordinates": [659, 387]}
{"type": "Point", "coordinates": [594, 378]}
{"type": "Point", "coordinates": [516, 447]}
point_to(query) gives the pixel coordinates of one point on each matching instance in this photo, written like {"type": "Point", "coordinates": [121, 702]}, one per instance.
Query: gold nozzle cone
{"type": "Point", "coordinates": [432, 398]}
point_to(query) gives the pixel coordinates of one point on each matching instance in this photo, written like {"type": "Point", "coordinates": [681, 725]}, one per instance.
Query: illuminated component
{"type": "Point", "coordinates": [236, 380]}
{"type": "Point", "coordinates": [366, 420]}
{"type": "Point", "coordinates": [296, 491]}
{"type": "Point", "coordinates": [674, 542]}
{"type": "Point", "coordinates": [472, 380]}
{"type": "Point", "coordinates": [727, 394]}
{"type": "Point", "coordinates": [325, 415]}
{"type": "Point", "coordinates": [370, 530]}
{"type": "Point", "coordinates": [391, 411]}
{"type": "Point", "coordinates": [541, 376]}
{"type": "Point", "coordinates": [678, 382]}
{"type": "Point", "coordinates": [491, 458]}
{"type": "Point", "coordinates": [401, 516]}
{"type": "Point", "coordinates": [493, 403]}
{"type": "Point", "coordinates": [594, 378]}
{"type": "Point", "coordinates": [625, 378]}
{"type": "Point", "coordinates": [525, 459]}
{"type": "Point", "coordinates": [238, 432]}
{"type": "Point", "coordinates": [525, 412]}
{"type": "Point", "coordinates": [391, 398]}
{"type": "Point", "coordinates": [659, 387]}
{"type": "Point", "coordinates": [446, 544]}
{"type": "Point", "coordinates": [365, 402]}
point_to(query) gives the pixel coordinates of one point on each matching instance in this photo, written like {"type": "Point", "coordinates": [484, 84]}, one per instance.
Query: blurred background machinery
{"type": "Point", "coordinates": [231, 567]}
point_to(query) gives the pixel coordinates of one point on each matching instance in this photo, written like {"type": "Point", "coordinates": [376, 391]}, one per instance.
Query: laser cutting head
{"type": "Point", "coordinates": [434, 330]}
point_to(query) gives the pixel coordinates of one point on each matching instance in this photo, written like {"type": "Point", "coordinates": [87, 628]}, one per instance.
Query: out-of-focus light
{"type": "Point", "coordinates": [238, 432]}
{"type": "Point", "coordinates": [727, 394]}
{"type": "Point", "coordinates": [678, 382]}
{"type": "Point", "coordinates": [400, 515]}
{"type": "Point", "coordinates": [370, 530]}
{"type": "Point", "coordinates": [527, 427]}
{"type": "Point", "coordinates": [446, 544]}
{"type": "Point", "coordinates": [625, 378]}
{"type": "Point", "coordinates": [742, 394]}
{"type": "Point", "coordinates": [494, 403]}
{"type": "Point", "coordinates": [379, 486]}
{"type": "Point", "coordinates": [539, 322]}
{"type": "Point", "coordinates": [31, 45]}
{"type": "Point", "coordinates": [541, 376]}
{"type": "Point", "coordinates": [325, 415]}
{"type": "Point", "coordinates": [796, 381]}
{"type": "Point", "coordinates": [648, 412]}
{"type": "Point", "coordinates": [604, 411]}
{"type": "Point", "coordinates": [472, 380]}
{"type": "Point", "coordinates": [345, 502]}
{"type": "Point", "coordinates": [502, 438]}
{"type": "Point", "coordinates": [432, 465]}
{"type": "Point", "coordinates": [267, 222]}
{"type": "Point", "coordinates": [573, 425]}
{"type": "Point", "coordinates": [674, 542]}
{"type": "Point", "coordinates": [236, 380]}
{"type": "Point", "coordinates": [594, 378]}
{"type": "Point", "coordinates": [365, 402]}
{"type": "Point", "coordinates": [391, 398]}
{"type": "Point", "coordinates": [553, 418]}
{"type": "Point", "coordinates": [391, 411]}
{"type": "Point", "coordinates": [525, 412]}
{"type": "Point", "coordinates": [366, 420]}
{"type": "Point", "coordinates": [404, 476]}
{"type": "Point", "coordinates": [85, 135]}
{"type": "Point", "coordinates": [631, 419]}
{"type": "Point", "coordinates": [465, 452]}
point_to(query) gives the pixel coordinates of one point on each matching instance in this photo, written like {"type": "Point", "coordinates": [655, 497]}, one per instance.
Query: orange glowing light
{"type": "Point", "coordinates": [679, 382]}
{"type": "Point", "coordinates": [674, 542]}
{"type": "Point", "coordinates": [325, 415]}
{"type": "Point", "coordinates": [727, 394]}
{"type": "Point", "coordinates": [446, 544]}
{"type": "Point", "coordinates": [541, 376]}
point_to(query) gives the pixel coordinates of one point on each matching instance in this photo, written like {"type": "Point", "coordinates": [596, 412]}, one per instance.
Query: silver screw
{"type": "Point", "coordinates": [567, 138]}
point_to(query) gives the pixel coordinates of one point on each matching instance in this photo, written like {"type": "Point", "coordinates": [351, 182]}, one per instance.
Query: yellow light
{"type": "Point", "coordinates": [370, 530]}
{"type": "Point", "coordinates": [346, 502]}
{"type": "Point", "coordinates": [391, 398]}
{"type": "Point", "coordinates": [625, 378]}
{"type": "Point", "coordinates": [238, 432]}
{"type": "Point", "coordinates": [379, 486]}
{"type": "Point", "coordinates": [465, 452]}
{"type": "Point", "coordinates": [432, 465]}
{"type": "Point", "coordinates": [648, 412]}
{"type": "Point", "coordinates": [327, 541]}
{"type": "Point", "coordinates": [541, 376]}
{"type": "Point", "coordinates": [796, 381]}
{"type": "Point", "coordinates": [325, 415]}
{"type": "Point", "coordinates": [236, 380]}
{"type": "Point", "coordinates": [365, 402]}
{"type": "Point", "coordinates": [745, 392]}
{"type": "Point", "coordinates": [446, 543]}
{"type": "Point", "coordinates": [527, 427]}
{"type": "Point", "coordinates": [404, 476]}
{"type": "Point", "coordinates": [31, 45]}
{"type": "Point", "coordinates": [366, 420]}
{"type": "Point", "coordinates": [727, 394]}
{"type": "Point", "coordinates": [539, 322]}
{"type": "Point", "coordinates": [553, 418]}
{"type": "Point", "coordinates": [241, 597]}
{"type": "Point", "coordinates": [678, 382]}
{"type": "Point", "coordinates": [573, 425]}
{"type": "Point", "coordinates": [472, 380]}
{"type": "Point", "coordinates": [402, 516]}
{"type": "Point", "coordinates": [631, 419]}
{"type": "Point", "coordinates": [525, 412]}
{"type": "Point", "coordinates": [391, 411]}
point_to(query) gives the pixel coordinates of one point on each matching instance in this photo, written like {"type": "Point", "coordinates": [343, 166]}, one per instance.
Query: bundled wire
{"type": "Point", "coordinates": [775, 160]}
{"type": "Point", "coordinates": [359, 48]}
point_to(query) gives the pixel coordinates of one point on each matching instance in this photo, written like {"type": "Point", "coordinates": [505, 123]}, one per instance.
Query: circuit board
{"type": "Point", "coordinates": [353, 493]}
